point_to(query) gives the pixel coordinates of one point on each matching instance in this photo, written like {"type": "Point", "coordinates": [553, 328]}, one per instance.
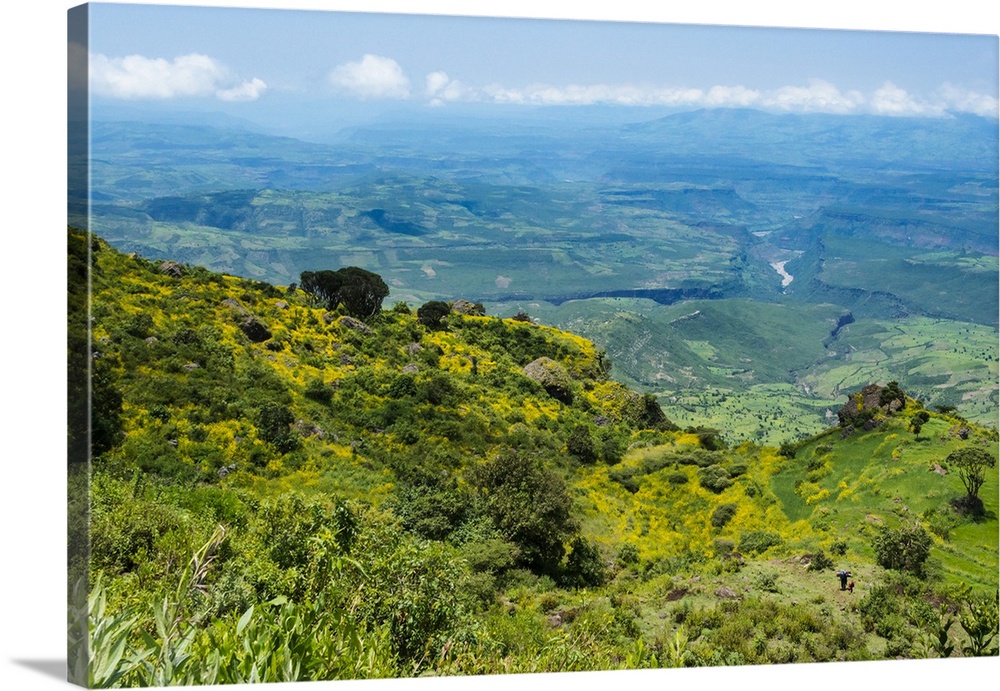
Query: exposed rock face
{"type": "Point", "coordinates": [355, 325]}
{"type": "Point", "coordinates": [172, 269]}
{"type": "Point", "coordinates": [868, 407]}
{"type": "Point", "coordinates": [252, 327]}
{"type": "Point", "coordinates": [466, 307]}
{"type": "Point", "coordinates": [225, 470]}
{"type": "Point", "coordinates": [552, 376]}
{"type": "Point", "coordinates": [234, 304]}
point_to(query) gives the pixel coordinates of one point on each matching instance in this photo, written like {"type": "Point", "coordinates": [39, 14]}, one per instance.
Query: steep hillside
{"type": "Point", "coordinates": [284, 490]}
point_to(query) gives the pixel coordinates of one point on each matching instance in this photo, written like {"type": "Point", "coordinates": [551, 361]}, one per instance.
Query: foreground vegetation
{"type": "Point", "coordinates": [288, 486]}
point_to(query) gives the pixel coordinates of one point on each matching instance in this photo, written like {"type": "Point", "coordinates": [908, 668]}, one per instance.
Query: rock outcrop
{"type": "Point", "coordinates": [869, 406]}
{"type": "Point", "coordinates": [553, 377]}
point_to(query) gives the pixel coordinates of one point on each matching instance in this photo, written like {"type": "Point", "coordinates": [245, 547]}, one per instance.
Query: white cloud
{"type": "Point", "coordinates": [732, 96]}
{"type": "Point", "coordinates": [139, 77]}
{"type": "Point", "coordinates": [372, 77]}
{"type": "Point", "coordinates": [441, 89]}
{"type": "Point", "coordinates": [963, 100]}
{"type": "Point", "coordinates": [818, 97]}
{"type": "Point", "coordinates": [247, 91]}
{"type": "Point", "coordinates": [892, 100]}
{"type": "Point", "coordinates": [436, 81]}
{"type": "Point", "coordinates": [544, 94]}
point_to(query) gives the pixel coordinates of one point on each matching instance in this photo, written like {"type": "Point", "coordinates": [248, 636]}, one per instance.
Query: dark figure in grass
{"type": "Point", "coordinates": [850, 587]}
{"type": "Point", "coordinates": [843, 576]}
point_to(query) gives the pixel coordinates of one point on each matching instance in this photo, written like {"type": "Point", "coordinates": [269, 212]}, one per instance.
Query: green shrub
{"type": "Point", "coordinates": [714, 478]}
{"type": "Point", "coordinates": [273, 426]}
{"type": "Point", "coordinates": [628, 478]}
{"type": "Point", "coordinates": [723, 514]}
{"type": "Point", "coordinates": [584, 566]}
{"type": "Point", "coordinates": [737, 468]}
{"type": "Point", "coordinates": [611, 447]}
{"type": "Point", "coordinates": [317, 391]}
{"type": "Point", "coordinates": [881, 612]}
{"type": "Point", "coordinates": [581, 446]}
{"type": "Point", "coordinates": [724, 546]}
{"type": "Point", "coordinates": [902, 549]}
{"type": "Point", "coordinates": [767, 581]}
{"type": "Point", "coordinates": [820, 561]}
{"type": "Point", "coordinates": [677, 478]}
{"type": "Point", "coordinates": [529, 504]}
{"type": "Point", "coordinates": [758, 541]}
{"type": "Point", "coordinates": [628, 555]}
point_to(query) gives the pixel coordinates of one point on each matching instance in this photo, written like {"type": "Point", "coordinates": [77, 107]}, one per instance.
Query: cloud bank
{"type": "Point", "coordinates": [372, 77]}
{"type": "Point", "coordinates": [139, 77]}
{"type": "Point", "coordinates": [817, 97]}
{"type": "Point", "coordinates": [381, 77]}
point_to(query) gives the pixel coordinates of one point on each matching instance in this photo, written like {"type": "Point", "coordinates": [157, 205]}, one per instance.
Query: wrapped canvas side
{"type": "Point", "coordinates": [79, 355]}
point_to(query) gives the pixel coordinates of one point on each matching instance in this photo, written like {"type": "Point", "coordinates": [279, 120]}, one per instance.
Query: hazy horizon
{"type": "Point", "coordinates": [308, 73]}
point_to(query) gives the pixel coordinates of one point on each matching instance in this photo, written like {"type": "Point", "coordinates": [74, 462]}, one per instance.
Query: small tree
{"type": "Point", "coordinates": [432, 313]}
{"type": "Point", "coordinates": [362, 292]}
{"type": "Point", "coordinates": [903, 549]}
{"type": "Point", "coordinates": [584, 566]}
{"type": "Point", "coordinates": [972, 464]}
{"type": "Point", "coordinates": [529, 504]}
{"type": "Point", "coordinates": [581, 446]}
{"type": "Point", "coordinates": [323, 287]}
{"type": "Point", "coordinates": [714, 478]}
{"type": "Point", "coordinates": [918, 421]}
{"type": "Point", "coordinates": [274, 426]}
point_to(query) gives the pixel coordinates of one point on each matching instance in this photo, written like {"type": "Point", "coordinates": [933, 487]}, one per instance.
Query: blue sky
{"type": "Point", "coordinates": [257, 62]}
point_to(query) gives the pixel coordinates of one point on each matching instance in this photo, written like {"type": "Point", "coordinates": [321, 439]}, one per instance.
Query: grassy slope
{"type": "Point", "coordinates": [181, 418]}
{"type": "Point", "coordinates": [771, 372]}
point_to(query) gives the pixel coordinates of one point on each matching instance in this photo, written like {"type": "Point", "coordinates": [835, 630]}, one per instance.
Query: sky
{"type": "Point", "coordinates": [289, 65]}
{"type": "Point", "coordinates": [34, 61]}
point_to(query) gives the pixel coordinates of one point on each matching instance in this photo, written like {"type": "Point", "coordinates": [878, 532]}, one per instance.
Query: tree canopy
{"type": "Point", "coordinates": [971, 464]}
{"type": "Point", "coordinates": [361, 292]}
{"type": "Point", "coordinates": [432, 313]}
{"type": "Point", "coordinates": [529, 504]}
{"type": "Point", "coordinates": [902, 549]}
